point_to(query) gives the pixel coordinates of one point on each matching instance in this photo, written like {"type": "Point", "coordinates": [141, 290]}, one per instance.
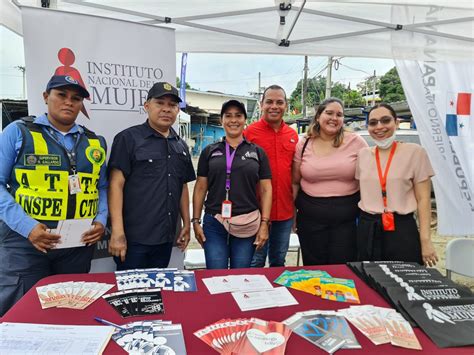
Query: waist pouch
{"type": "Point", "coordinates": [241, 226]}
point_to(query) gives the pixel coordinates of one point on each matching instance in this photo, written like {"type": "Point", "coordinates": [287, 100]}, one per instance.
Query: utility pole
{"type": "Point", "coordinates": [373, 92]}
{"type": "Point", "coordinates": [259, 92]}
{"type": "Point", "coordinates": [329, 78]}
{"type": "Point", "coordinates": [23, 72]}
{"type": "Point", "coordinates": [305, 85]}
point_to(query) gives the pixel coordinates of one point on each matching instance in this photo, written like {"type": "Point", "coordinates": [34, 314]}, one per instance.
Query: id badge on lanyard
{"type": "Point", "coordinates": [74, 184]}
{"type": "Point", "coordinates": [388, 221]}
{"type": "Point", "coordinates": [226, 210]}
{"type": "Point", "coordinates": [388, 218]}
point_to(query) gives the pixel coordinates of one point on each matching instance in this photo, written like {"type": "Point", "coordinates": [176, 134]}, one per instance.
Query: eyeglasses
{"type": "Point", "coordinates": [384, 121]}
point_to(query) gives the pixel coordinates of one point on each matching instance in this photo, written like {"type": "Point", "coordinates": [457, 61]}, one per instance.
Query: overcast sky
{"type": "Point", "coordinates": [229, 73]}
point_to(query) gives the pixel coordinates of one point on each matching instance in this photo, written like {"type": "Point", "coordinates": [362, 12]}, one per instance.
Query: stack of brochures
{"type": "Point", "coordinates": [250, 291]}
{"type": "Point", "coordinates": [74, 295]}
{"type": "Point", "coordinates": [151, 337]}
{"type": "Point", "coordinates": [246, 336]}
{"type": "Point", "coordinates": [170, 279]}
{"type": "Point", "coordinates": [425, 298]}
{"type": "Point", "coordinates": [402, 283]}
{"type": "Point", "coordinates": [382, 325]}
{"type": "Point", "coordinates": [320, 283]}
{"type": "Point", "coordinates": [326, 329]}
{"type": "Point", "coordinates": [137, 302]}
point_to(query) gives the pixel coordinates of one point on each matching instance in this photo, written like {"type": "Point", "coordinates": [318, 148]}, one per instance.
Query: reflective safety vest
{"type": "Point", "coordinates": [40, 177]}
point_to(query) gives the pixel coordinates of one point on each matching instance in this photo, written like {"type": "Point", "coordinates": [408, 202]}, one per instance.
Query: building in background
{"type": "Point", "coordinates": [204, 107]}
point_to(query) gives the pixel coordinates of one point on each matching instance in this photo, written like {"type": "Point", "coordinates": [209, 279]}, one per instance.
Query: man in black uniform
{"type": "Point", "coordinates": [150, 167]}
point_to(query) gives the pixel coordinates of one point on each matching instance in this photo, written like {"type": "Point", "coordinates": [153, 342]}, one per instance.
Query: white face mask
{"type": "Point", "coordinates": [385, 143]}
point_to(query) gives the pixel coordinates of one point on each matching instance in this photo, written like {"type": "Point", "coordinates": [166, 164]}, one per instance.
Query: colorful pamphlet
{"type": "Point", "coordinates": [325, 329]}
{"type": "Point", "coordinates": [320, 283]}
{"type": "Point", "coordinates": [246, 336]}
{"type": "Point", "coordinates": [382, 325]}
{"type": "Point", "coordinates": [341, 290]}
{"type": "Point", "coordinates": [74, 295]}
{"type": "Point", "coordinates": [290, 278]}
{"type": "Point", "coordinates": [368, 321]}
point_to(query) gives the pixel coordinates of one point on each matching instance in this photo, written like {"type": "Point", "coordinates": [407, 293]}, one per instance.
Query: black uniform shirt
{"type": "Point", "coordinates": [250, 165]}
{"type": "Point", "coordinates": [155, 168]}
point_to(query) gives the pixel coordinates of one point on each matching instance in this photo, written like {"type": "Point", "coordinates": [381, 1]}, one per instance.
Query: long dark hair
{"type": "Point", "coordinates": [315, 128]}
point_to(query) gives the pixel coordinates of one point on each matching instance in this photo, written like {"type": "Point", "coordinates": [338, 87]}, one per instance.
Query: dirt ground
{"type": "Point", "coordinates": [439, 243]}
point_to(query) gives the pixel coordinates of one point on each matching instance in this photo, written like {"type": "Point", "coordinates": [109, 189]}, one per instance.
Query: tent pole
{"type": "Point", "coordinates": [305, 85]}
{"type": "Point", "coordinates": [329, 78]}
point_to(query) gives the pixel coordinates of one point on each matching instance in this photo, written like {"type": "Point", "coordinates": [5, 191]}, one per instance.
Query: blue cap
{"type": "Point", "coordinates": [58, 81]}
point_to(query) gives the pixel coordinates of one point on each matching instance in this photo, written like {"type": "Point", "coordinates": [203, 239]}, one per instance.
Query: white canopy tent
{"type": "Point", "coordinates": [372, 28]}
{"type": "Point", "coordinates": [431, 41]}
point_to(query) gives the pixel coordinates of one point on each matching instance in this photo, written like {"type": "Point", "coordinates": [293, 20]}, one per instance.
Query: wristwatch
{"type": "Point", "coordinates": [265, 220]}
{"type": "Point", "coordinates": [195, 220]}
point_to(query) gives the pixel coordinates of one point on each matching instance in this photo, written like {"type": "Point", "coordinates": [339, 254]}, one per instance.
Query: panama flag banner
{"type": "Point", "coordinates": [440, 96]}
{"type": "Point", "coordinates": [458, 115]}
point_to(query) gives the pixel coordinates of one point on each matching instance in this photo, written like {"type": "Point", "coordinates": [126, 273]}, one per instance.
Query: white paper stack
{"type": "Point", "coordinates": [50, 339]}
{"type": "Point", "coordinates": [233, 283]}
{"type": "Point", "coordinates": [277, 297]}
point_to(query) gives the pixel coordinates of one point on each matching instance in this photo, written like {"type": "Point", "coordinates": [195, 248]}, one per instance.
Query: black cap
{"type": "Point", "coordinates": [234, 103]}
{"type": "Point", "coordinates": [161, 89]}
{"type": "Point", "coordinates": [58, 81]}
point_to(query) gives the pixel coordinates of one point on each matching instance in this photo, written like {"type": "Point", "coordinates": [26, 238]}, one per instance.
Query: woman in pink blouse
{"type": "Point", "coordinates": [394, 182]}
{"type": "Point", "coordinates": [325, 189]}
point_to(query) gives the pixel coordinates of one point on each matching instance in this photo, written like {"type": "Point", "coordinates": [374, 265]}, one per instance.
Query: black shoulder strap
{"type": "Point", "coordinates": [89, 133]}
{"type": "Point", "coordinates": [28, 118]}
{"type": "Point", "coordinates": [304, 146]}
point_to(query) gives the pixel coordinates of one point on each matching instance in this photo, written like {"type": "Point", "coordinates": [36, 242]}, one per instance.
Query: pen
{"type": "Point", "coordinates": [106, 322]}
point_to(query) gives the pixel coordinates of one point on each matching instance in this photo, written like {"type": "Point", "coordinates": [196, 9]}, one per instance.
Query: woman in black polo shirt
{"type": "Point", "coordinates": [229, 171]}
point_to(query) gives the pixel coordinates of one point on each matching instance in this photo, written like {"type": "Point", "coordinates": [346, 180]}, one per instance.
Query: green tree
{"type": "Point", "coordinates": [178, 84]}
{"type": "Point", "coordinates": [391, 89]}
{"type": "Point", "coordinates": [353, 98]}
{"type": "Point", "coordinates": [316, 92]}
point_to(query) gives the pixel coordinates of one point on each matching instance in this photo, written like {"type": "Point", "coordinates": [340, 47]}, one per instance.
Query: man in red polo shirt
{"type": "Point", "coordinates": [279, 142]}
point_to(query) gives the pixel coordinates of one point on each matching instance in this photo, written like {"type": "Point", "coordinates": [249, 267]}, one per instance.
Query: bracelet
{"type": "Point", "coordinates": [195, 220]}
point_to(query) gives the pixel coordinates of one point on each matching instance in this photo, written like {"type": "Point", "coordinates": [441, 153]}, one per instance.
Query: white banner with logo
{"type": "Point", "coordinates": [441, 99]}
{"type": "Point", "coordinates": [118, 61]}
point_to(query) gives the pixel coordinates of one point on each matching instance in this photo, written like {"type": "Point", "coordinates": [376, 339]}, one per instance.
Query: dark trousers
{"type": "Point", "coordinates": [140, 256]}
{"type": "Point", "coordinates": [327, 228]}
{"type": "Point", "coordinates": [373, 243]}
{"type": "Point", "coordinates": [21, 265]}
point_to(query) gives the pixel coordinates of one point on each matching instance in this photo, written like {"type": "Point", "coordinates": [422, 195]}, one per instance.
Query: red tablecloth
{"type": "Point", "coordinates": [195, 310]}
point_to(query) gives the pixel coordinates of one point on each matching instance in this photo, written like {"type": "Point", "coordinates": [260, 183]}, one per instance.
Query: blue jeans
{"type": "Point", "coordinates": [220, 246]}
{"type": "Point", "coordinates": [277, 245]}
{"type": "Point", "coordinates": [140, 256]}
